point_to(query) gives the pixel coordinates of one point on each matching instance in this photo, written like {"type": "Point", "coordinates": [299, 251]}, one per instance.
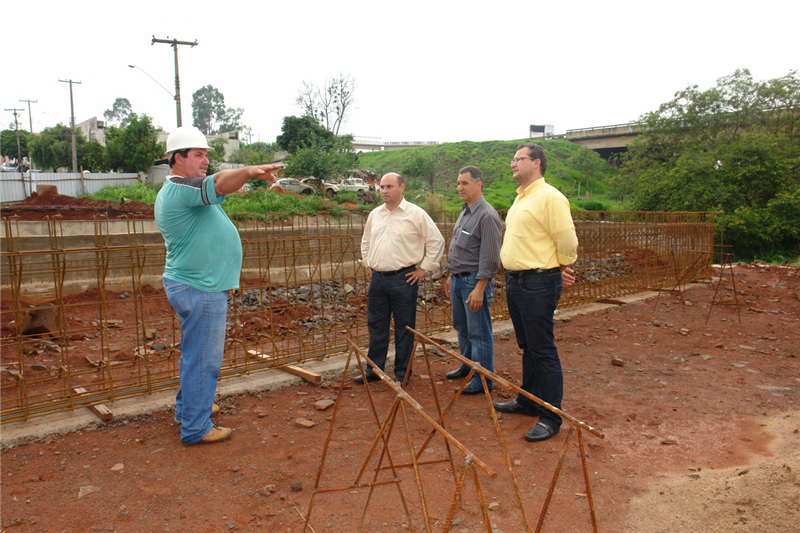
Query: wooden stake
{"type": "Point", "coordinates": [297, 371]}
{"type": "Point", "coordinates": [103, 412]}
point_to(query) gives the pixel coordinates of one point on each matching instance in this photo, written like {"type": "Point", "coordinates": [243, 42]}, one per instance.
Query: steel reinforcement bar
{"type": "Point", "coordinates": [86, 321]}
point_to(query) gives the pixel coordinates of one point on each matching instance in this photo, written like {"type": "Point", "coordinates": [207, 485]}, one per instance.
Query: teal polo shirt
{"type": "Point", "coordinates": [204, 250]}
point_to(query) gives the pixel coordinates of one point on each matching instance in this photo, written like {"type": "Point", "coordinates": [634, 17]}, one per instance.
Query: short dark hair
{"type": "Point", "coordinates": [536, 151]}
{"type": "Point", "coordinates": [474, 172]}
{"type": "Point", "coordinates": [183, 153]}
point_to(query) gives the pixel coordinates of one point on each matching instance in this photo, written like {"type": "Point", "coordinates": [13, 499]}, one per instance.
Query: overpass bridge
{"type": "Point", "coordinates": [376, 144]}
{"type": "Point", "coordinates": [606, 140]}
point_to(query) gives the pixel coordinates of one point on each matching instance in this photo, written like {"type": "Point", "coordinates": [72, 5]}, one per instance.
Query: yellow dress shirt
{"type": "Point", "coordinates": [397, 239]}
{"type": "Point", "coordinates": [539, 230]}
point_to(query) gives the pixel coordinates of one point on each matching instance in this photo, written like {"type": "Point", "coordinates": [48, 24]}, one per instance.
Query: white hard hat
{"type": "Point", "coordinates": [186, 137]}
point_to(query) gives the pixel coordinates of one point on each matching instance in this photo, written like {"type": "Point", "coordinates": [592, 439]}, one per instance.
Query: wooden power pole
{"type": "Point", "coordinates": [72, 112]}
{"type": "Point", "coordinates": [174, 44]}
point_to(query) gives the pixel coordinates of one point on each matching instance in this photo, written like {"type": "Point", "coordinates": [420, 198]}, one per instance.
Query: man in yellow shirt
{"type": "Point", "coordinates": [539, 243]}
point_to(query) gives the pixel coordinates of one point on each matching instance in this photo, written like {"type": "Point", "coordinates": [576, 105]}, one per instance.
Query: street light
{"type": "Point", "coordinates": [58, 120]}
{"type": "Point", "coordinates": [159, 84]}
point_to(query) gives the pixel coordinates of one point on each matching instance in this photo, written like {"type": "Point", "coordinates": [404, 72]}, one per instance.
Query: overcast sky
{"type": "Point", "coordinates": [430, 70]}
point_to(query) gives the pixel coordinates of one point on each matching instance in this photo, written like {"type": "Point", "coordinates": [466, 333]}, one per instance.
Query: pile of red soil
{"type": "Point", "coordinates": [49, 204]}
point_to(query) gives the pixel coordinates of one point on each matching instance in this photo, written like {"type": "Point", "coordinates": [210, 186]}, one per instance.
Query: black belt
{"type": "Point", "coordinates": [519, 273]}
{"type": "Point", "coordinates": [395, 272]}
{"type": "Point", "coordinates": [460, 274]}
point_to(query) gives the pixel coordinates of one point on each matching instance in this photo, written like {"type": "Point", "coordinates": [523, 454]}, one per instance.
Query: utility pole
{"type": "Point", "coordinates": [16, 129]}
{"type": "Point", "coordinates": [30, 117]}
{"type": "Point", "coordinates": [72, 110]}
{"type": "Point", "coordinates": [174, 44]}
{"type": "Point", "coordinates": [30, 122]}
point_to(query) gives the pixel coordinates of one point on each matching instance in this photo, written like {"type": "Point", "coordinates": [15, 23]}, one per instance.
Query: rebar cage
{"type": "Point", "coordinates": [85, 320]}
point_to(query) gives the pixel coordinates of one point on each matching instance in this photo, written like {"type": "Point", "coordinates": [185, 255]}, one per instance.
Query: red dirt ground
{"type": "Point", "coordinates": [690, 400]}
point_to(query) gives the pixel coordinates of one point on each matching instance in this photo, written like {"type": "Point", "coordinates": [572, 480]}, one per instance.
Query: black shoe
{"type": "Point", "coordinates": [370, 377]}
{"type": "Point", "coordinates": [458, 373]}
{"type": "Point", "coordinates": [399, 380]}
{"type": "Point", "coordinates": [472, 388]}
{"type": "Point", "coordinates": [513, 408]}
{"type": "Point", "coordinates": [540, 432]}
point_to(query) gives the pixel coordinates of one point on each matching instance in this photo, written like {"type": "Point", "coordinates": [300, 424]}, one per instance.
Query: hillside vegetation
{"type": "Point", "coordinates": [571, 168]}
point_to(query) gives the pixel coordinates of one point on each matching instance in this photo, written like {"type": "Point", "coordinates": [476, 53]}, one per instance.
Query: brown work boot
{"type": "Point", "coordinates": [216, 434]}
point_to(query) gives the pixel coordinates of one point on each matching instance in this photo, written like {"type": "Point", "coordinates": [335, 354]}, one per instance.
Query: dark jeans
{"type": "Point", "coordinates": [391, 296]}
{"type": "Point", "coordinates": [532, 299]}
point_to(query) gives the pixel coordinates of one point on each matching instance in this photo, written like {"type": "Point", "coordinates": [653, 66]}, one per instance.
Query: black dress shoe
{"type": "Point", "coordinates": [540, 432]}
{"type": "Point", "coordinates": [472, 388]}
{"type": "Point", "coordinates": [399, 380]}
{"type": "Point", "coordinates": [513, 408]}
{"type": "Point", "coordinates": [458, 373]}
{"type": "Point", "coordinates": [370, 377]}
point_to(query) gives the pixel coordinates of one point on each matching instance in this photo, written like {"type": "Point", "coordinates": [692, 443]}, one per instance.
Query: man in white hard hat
{"type": "Point", "coordinates": [204, 260]}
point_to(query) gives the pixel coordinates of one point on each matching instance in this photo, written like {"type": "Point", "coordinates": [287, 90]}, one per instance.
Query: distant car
{"type": "Point", "coordinates": [330, 189]}
{"type": "Point", "coordinates": [354, 184]}
{"type": "Point", "coordinates": [9, 167]}
{"type": "Point", "coordinates": [293, 185]}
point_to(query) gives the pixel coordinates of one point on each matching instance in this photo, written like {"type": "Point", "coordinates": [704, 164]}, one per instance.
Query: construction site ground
{"type": "Point", "coordinates": [699, 405]}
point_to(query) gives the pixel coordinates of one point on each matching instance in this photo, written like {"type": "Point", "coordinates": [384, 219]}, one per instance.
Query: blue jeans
{"type": "Point", "coordinates": [474, 329]}
{"type": "Point", "coordinates": [202, 316]}
{"type": "Point", "coordinates": [532, 300]}
{"type": "Point", "coordinates": [391, 296]}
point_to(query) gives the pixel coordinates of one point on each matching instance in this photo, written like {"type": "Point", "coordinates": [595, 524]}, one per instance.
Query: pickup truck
{"type": "Point", "coordinates": [354, 185]}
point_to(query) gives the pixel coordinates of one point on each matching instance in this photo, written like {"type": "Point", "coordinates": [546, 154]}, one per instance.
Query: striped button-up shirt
{"type": "Point", "coordinates": [477, 236]}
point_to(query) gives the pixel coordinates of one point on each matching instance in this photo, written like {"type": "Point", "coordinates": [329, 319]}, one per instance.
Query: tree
{"type": "Point", "coordinates": [587, 162]}
{"type": "Point", "coordinates": [210, 115]}
{"type": "Point", "coordinates": [322, 161]}
{"type": "Point", "coordinates": [8, 143]}
{"type": "Point", "coordinates": [257, 153]}
{"type": "Point", "coordinates": [732, 148]}
{"type": "Point", "coordinates": [216, 155]}
{"type": "Point", "coordinates": [119, 112]}
{"type": "Point", "coordinates": [422, 165]}
{"type": "Point", "coordinates": [91, 157]}
{"type": "Point", "coordinates": [303, 132]}
{"type": "Point", "coordinates": [328, 104]}
{"type": "Point", "coordinates": [52, 148]}
{"type": "Point", "coordinates": [133, 148]}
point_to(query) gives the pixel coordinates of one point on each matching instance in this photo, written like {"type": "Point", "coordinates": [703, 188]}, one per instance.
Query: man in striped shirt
{"type": "Point", "coordinates": [473, 262]}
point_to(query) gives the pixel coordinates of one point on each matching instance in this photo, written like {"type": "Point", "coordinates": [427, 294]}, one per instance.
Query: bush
{"type": "Point", "coordinates": [137, 192]}
{"type": "Point", "coordinates": [592, 205]}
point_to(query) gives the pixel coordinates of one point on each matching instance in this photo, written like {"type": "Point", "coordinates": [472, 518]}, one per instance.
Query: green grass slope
{"type": "Point", "coordinates": [569, 166]}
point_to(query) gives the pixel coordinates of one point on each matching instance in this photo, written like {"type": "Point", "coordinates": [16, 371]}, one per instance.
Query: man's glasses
{"type": "Point", "coordinates": [518, 159]}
